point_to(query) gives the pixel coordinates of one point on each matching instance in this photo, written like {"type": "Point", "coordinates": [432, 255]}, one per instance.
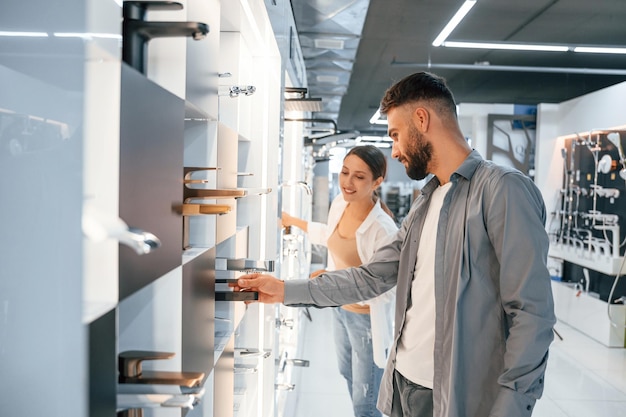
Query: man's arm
{"type": "Point", "coordinates": [515, 221]}
{"type": "Point", "coordinates": [334, 288]}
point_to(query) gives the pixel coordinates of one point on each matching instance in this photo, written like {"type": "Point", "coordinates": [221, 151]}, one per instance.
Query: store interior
{"type": "Point", "coordinates": [148, 148]}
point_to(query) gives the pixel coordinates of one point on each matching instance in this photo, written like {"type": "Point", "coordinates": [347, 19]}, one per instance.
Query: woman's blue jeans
{"type": "Point", "coordinates": [353, 340]}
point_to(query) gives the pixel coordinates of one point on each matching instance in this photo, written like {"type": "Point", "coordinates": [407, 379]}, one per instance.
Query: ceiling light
{"type": "Point", "coordinates": [329, 43]}
{"type": "Point", "coordinates": [24, 34]}
{"type": "Point", "coordinates": [512, 68]}
{"type": "Point", "coordinates": [600, 50]}
{"type": "Point", "coordinates": [378, 119]}
{"type": "Point", "coordinates": [456, 19]}
{"type": "Point", "coordinates": [507, 46]}
{"type": "Point", "coordinates": [303, 104]}
{"type": "Point", "coordinates": [366, 138]}
{"type": "Point", "coordinates": [330, 79]}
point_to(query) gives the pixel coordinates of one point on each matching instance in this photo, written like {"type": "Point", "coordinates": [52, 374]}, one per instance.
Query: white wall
{"type": "Point", "coordinates": [473, 121]}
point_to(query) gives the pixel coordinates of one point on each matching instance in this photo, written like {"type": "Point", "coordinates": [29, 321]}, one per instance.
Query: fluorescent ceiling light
{"type": "Point", "coordinates": [25, 34]}
{"type": "Point", "coordinates": [329, 43]}
{"type": "Point", "coordinates": [599, 50]}
{"type": "Point", "coordinates": [87, 35]}
{"type": "Point", "coordinates": [507, 46]}
{"type": "Point", "coordinates": [456, 19]}
{"type": "Point", "coordinates": [377, 119]}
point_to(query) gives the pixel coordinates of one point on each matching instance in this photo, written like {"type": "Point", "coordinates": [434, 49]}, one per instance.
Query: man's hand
{"type": "Point", "coordinates": [270, 289]}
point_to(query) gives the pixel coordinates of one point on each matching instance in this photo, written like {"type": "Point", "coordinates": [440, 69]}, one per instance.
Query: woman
{"type": "Point", "coordinates": [358, 222]}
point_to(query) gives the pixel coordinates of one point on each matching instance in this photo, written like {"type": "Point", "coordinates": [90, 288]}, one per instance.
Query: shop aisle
{"type": "Point", "coordinates": [321, 390]}
{"type": "Point", "coordinates": [584, 378]}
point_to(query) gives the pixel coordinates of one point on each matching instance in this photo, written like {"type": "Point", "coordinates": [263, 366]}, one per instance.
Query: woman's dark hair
{"type": "Point", "coordinates": [373, 157]}
{"type": "Point", "coordinates": [421, 86]}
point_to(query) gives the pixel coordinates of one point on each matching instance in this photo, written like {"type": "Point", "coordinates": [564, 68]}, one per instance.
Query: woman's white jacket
{"type": "Point", "coordinates": [371, 234]}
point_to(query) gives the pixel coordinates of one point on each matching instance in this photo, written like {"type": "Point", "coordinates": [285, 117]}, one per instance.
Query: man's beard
{"type": "Point", "coordinates": [418, 155]}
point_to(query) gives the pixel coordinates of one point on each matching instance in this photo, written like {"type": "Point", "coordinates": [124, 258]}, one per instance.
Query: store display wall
{"type": "Point", "coordinates": [580, 296]}
{"type": "Point", "coordinates": [112, 248]}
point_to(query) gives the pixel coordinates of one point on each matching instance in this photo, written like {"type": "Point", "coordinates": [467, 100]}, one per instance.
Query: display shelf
{"type": "Point", "coordinates": [605, 264]}
{"type": "Point", "coordinates": [196, 209]}
{"type": "Point", "coordinates": [589, 314]}
{"type": "Point", "coordinates": [194, 113]}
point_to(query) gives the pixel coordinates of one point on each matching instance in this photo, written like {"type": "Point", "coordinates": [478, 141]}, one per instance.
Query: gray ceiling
{"type": "Point", "coordinates": [384, 40]}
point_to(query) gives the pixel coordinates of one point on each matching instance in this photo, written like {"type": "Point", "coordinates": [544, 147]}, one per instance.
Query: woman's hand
{"type": "Point", "coordinates": [286, 220]}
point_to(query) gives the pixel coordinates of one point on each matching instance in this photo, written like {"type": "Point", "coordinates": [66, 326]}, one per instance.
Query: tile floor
{"type": "Point", "coordinates": [583, 379]}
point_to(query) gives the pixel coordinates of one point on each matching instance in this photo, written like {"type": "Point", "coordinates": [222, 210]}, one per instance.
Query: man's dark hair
{"type": "Point", "coordinates": [421, 86]}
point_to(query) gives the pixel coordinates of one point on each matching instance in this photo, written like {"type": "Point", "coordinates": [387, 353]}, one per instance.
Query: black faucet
{"type": "Point", "coordinates": [136, 31]}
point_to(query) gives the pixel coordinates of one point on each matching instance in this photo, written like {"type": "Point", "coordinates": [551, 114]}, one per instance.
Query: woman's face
{"type": "Point", "coordinates": [356, 179]}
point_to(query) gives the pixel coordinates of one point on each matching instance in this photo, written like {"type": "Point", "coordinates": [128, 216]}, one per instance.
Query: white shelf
{"type": "Point", "coordinates": [588, 259]}
{"type": "Point", "coordinates": [590, 315]}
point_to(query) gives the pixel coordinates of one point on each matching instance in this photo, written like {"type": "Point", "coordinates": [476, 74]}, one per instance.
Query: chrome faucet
{"type": "Point", "coordinates": [585, 280]}
{"type": "Point", "coordinates": [136, 31]}
{"type": "Point", "coordinates": [301, 184]}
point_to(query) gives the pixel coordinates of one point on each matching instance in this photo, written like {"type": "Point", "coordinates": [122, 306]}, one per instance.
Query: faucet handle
{"type": "Point", "coordinates": [129, 362]}
{"type": "Point", "coordinates": [136, 9]}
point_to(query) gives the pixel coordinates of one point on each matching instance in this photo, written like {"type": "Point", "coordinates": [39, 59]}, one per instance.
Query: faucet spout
{"type": "Point", "coordinates": [137, 32]}
{"type": "Point", "coordinates": [301, 184]}
{"type": "Point", "coordinates": [150, 30]}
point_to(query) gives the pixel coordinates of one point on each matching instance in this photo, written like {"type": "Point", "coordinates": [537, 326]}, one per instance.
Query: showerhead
{"type": "Point", "coordinates": [616, 139]}
{"type": "Point", "coordinates": [605, 164]}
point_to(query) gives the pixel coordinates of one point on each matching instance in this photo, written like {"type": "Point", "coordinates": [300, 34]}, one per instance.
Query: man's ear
{"type": "Point", "coordinates": [421, 118]}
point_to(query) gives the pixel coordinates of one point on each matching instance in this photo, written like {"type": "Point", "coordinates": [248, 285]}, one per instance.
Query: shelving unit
{"type": "Point", "coordinates": [117, 145]}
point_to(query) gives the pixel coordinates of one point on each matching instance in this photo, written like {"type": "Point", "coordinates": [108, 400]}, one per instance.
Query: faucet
{"type": "Point", "coordinates": [244, 265]}
{"type": "Point", "coordinates": [585, 280]}
{"type": "Point", "coordinates": [301, 184]}
{"type": "Point", "coordinates": [136, 31]}
{"type": "Point", "coordinates": [131, 372]}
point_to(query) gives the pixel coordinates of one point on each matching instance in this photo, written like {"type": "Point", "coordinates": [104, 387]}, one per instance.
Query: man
{"type": "Point", "coordinates": [474, 309]}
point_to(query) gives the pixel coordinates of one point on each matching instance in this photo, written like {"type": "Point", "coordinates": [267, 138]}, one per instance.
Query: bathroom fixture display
{"type": "Point", "coordinates": [234, 91]}
{"type": "Point", "coordinates": [137, 32]}
{"type": "Point", "coordinates": [241, 265]}
{"type": "Point", "coordinates": [131, 372]}
{"type": "Point", "coordinates": [134, 401]}
{"type": "Point", "coordinates": [585, 227]}
{"type": "Point", "coordinates": [191, 193]}
{"type": "Point", "coordinates": [189, 171]}
{"type": "Point", "coordinates": [301, 184]}
{"type": "Point", "coordinates": [150, 160]}
{"type": "Point", "coordinates": [240, 368]}
{"type": "Point", "coordinates": [298, 362]}
{"type": "Point", "coordinates": [296, 100]}
{"type": "Point", "coordinates": [244, 265]}
{"type": "Point", "coordinates": [285, 387]}
{"type": "Point", "coordinates": [226, 280]}
{"type": "Point", "coordinates": [252, 353]}
{"type": "Point", "coordinates": [193, 187]}
{"type": "Point", "coordinates": [191, 209]}
{"type": "Point", "coordinates": [98, 226]}
{"type": "Point", "coordinates": [236, 296]}
{"type": "Point", "coordinates": [284, 322]}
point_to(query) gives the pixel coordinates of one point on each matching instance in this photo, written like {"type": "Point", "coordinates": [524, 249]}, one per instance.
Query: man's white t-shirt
{"type": "Point", "coordinates": [415, 354]}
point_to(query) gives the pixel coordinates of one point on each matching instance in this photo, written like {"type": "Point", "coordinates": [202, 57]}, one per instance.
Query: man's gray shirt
{"type": "Point", "coordinates": [494, 307]}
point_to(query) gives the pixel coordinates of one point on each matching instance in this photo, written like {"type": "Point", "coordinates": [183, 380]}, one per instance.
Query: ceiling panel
{"type": "Point", "coordinates": [396, 31]}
